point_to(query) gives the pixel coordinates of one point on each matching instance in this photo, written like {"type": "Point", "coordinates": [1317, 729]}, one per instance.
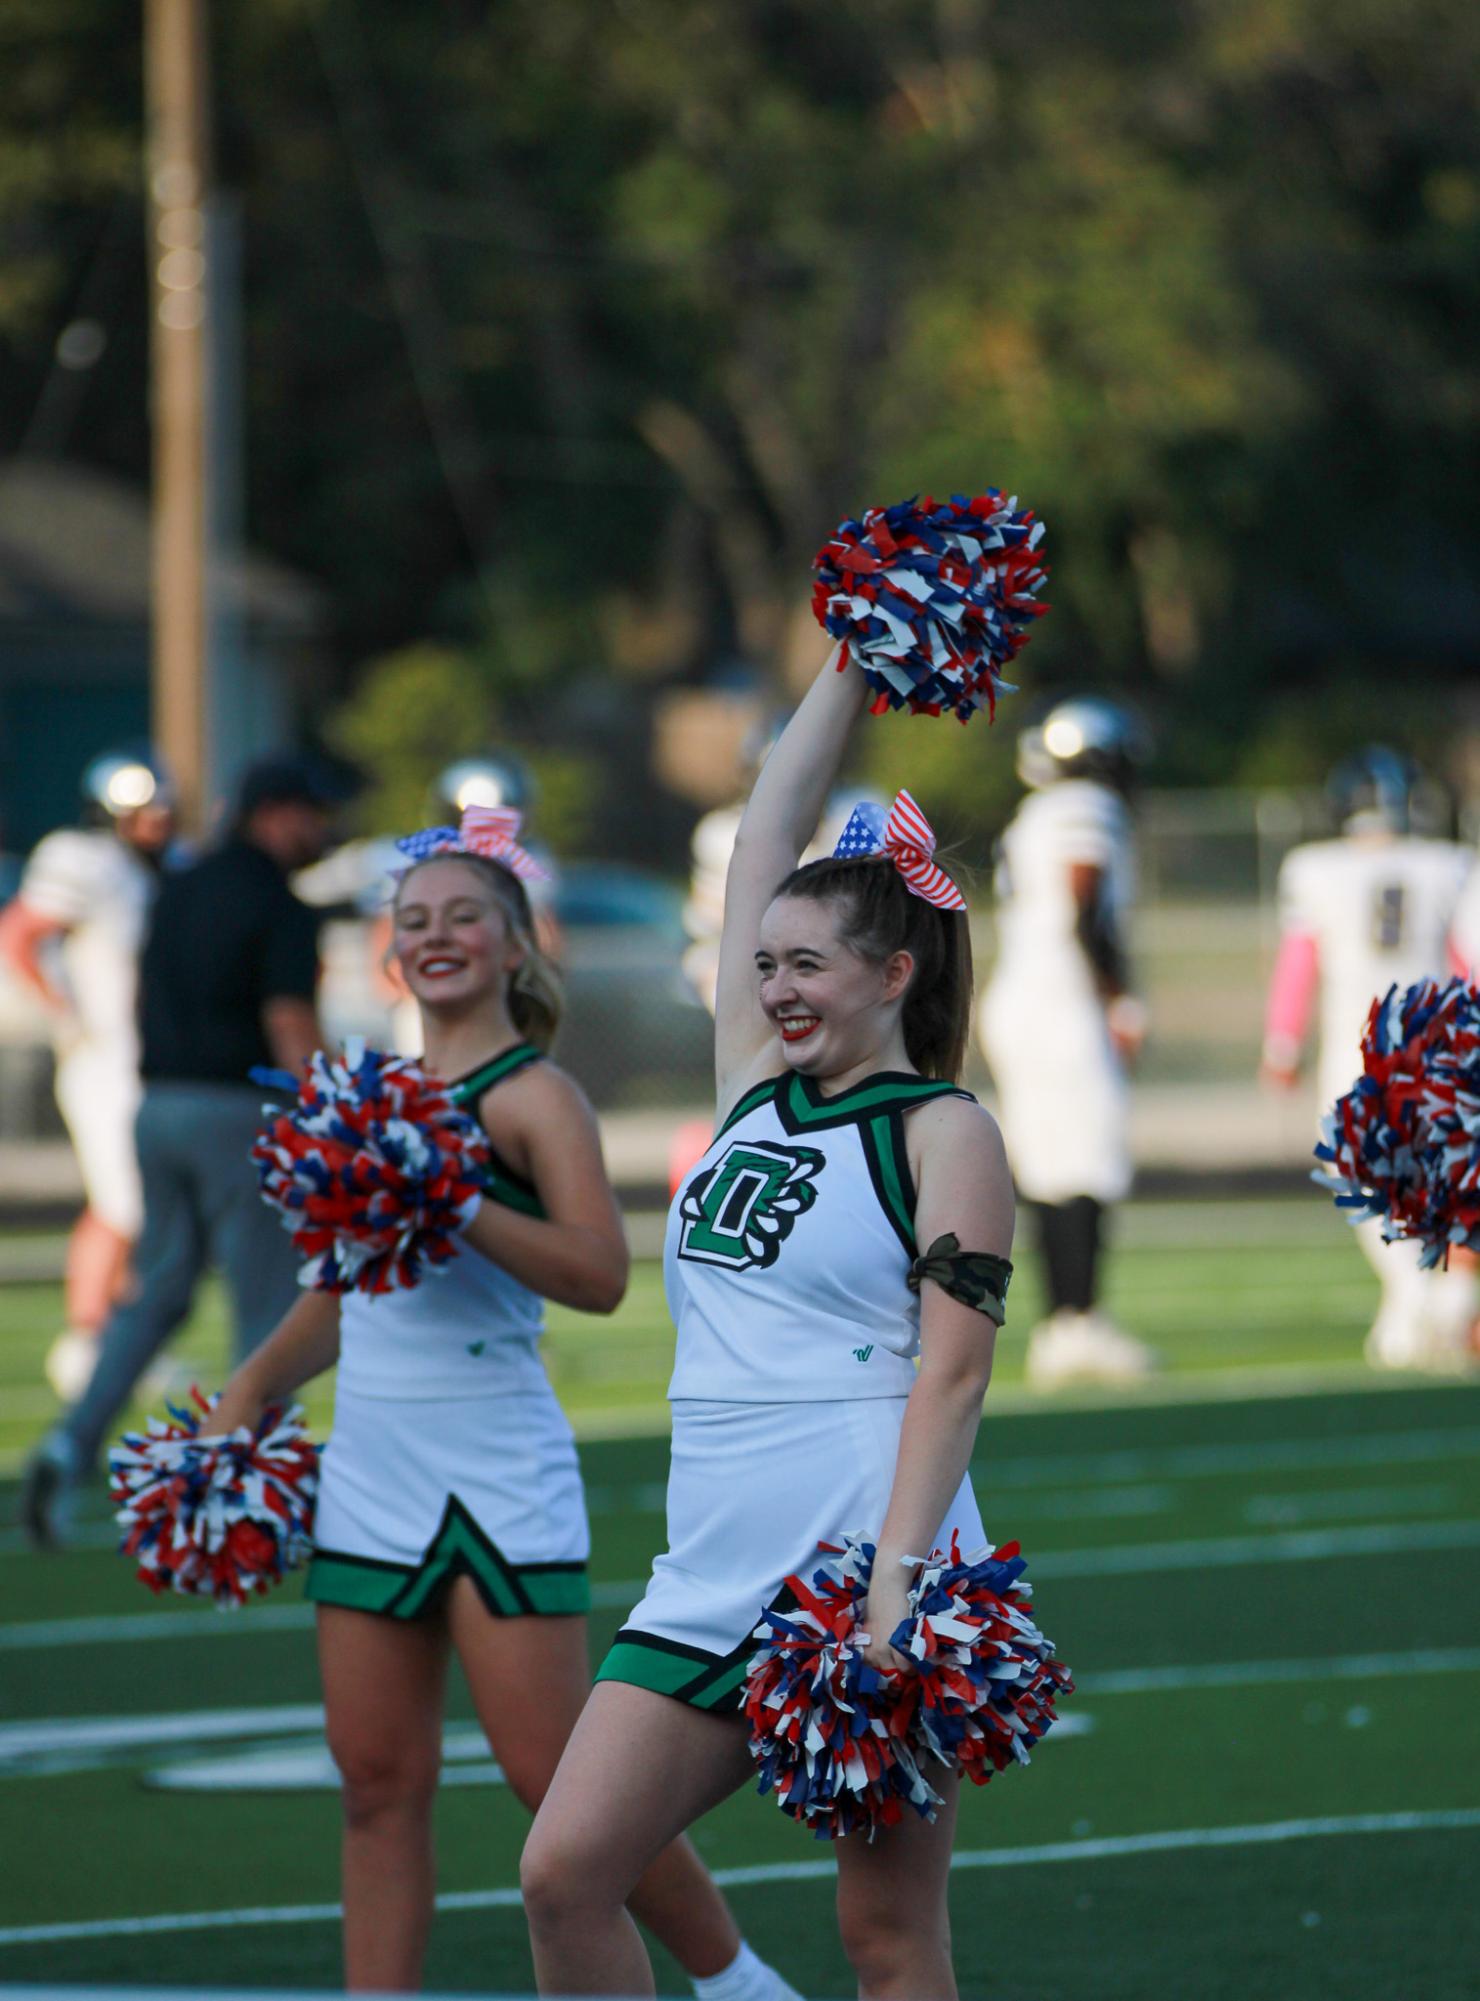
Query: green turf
{"type": "Point", "coordinates": [1210, 1534]}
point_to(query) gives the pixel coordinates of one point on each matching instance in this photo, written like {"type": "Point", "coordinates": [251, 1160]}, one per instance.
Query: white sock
{"type": "Point", "coordinates": [746, 1978]}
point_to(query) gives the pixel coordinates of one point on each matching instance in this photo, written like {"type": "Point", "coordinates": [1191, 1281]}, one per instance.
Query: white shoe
{"type": "Point", "coordinates": [70, 1361]}
{"type": "Point", "coordinates": [1085, 1348]}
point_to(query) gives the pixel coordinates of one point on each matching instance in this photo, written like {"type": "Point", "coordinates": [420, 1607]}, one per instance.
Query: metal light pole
{"type": "Point", "coordinates": [175, 70]}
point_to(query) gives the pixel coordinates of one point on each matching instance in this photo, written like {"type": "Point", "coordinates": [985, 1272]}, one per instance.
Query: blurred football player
{"type": "Point", "coordinates": [1374, 907]}
{"type": "Point", "coordinates": [1060, 1025]}
{"type": "Point", "coordinates": [73, 934]}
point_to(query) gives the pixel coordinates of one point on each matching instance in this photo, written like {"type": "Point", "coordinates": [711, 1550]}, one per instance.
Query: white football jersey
{"type": "Point", "coordinates": [1039, 957]}
{"type": "Point", "coordinates": [100, 892]}
{"type": "Point", "coordinates": [1380, 911]}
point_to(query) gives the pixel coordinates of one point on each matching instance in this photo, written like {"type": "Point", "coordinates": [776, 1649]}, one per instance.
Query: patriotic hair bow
{"type": "Point", "coordinates": [484, 830]}
{"type": "Point", "coordinates": [908, 839]}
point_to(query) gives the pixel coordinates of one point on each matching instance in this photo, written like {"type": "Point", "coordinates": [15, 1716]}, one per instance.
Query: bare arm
{"type": "Point", "coordinates": [304, 1343]}
{"type": "Point", "coordinates": [965, 1188]}
{"type": "Point", "coordinates": [577, 1252]}
{"type": "Point", "coordinates": [779, 820]}
{"type": "Point", "coordinates": [22, 932]}
{"type": "Point", "coordinates": [292, 1029]}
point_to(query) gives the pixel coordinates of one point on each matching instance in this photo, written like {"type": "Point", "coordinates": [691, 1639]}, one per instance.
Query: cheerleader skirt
{"type": "Point", "coordinates": [752, 1490]}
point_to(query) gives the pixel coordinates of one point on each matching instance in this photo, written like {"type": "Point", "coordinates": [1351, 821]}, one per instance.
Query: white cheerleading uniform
{"type": "Point", "coordinates": [1061, 1087]}
{"type": "Point", "coordinates": [787, 1259]}
{"type": "Point", "coordinates": [450, 1454]}
{"type": "Point", "coordinates": [99, 892]}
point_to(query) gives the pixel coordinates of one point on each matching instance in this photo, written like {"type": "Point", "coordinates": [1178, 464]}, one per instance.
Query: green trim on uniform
{"type": "Point", "coordinates": [458, 1549]}
{"type": "Point", "coordinates": [803, 1107]}
{"type": "Point", "coordinates": [467, 1090]}
{"type": "Point", "coordinates": [752, 1101]}
{"type": "Point", "coordinates": [711, 1682]}
{"type": "Point", "coordinates": [511, 1189]}
{"type": "Point", "coordinates": [889, 1171]}
{"type": "Point", "coordinates": [500, 1182]}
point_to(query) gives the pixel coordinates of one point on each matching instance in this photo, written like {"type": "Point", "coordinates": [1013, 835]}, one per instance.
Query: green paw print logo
{"type": "Point", "coordinates": [862, 1354]}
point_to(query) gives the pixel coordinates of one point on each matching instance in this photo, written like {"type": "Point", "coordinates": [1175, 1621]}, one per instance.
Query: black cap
{"type": "Point", "coordinates": [289, 780]}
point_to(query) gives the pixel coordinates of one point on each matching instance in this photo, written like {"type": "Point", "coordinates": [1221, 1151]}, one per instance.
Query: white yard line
{"type": "Point", "coordinates": [1107, 1847]}
{"type": "Point", "coordinates": [1116, 1560]}
{"type": "Point", "coordinates": [201, 1726]}
{"type": "Point", "coordinates": [1253, 1674]}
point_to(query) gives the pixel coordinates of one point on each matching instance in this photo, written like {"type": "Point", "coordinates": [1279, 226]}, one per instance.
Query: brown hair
{"type": "Point", "coordinates": [881, 915]}
{"type": "Point", "coordinates": [536, 997]}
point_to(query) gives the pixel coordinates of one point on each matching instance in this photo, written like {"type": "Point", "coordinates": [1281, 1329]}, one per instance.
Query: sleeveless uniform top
{"type": "Point", "coordinates": [789, 1247]}
{"type": "Point", "coordinates": [468, 1330]}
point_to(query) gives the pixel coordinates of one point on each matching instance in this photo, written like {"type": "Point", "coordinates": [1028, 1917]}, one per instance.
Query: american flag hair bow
{"type": "Point", "coordinates": [484, 830]}
{"type": "Point", "coordinates": [908, 839]}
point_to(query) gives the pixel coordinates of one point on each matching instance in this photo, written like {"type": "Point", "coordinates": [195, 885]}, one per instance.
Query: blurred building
{"type": "Point", "coordinates": [75, 647]}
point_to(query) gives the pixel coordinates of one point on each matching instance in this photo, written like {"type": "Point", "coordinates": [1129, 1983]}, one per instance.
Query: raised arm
{"type": "Point", "coordinates": [780, 818]}
{"type": "Point", "coordinates": [965, 1189]}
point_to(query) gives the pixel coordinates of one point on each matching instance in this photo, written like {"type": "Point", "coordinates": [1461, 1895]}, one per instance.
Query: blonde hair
{"type": "Point", "coordinates": [536, 996]}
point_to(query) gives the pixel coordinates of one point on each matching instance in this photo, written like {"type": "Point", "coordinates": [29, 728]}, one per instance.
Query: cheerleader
{"type": "Point", "coordinates": [843, 1143]}
{"type": "Point", "coordinates": [451, 1518]}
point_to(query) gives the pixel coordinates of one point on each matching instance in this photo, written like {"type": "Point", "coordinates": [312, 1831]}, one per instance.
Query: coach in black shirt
{"type": "Point", "coordinates": [226, 983]}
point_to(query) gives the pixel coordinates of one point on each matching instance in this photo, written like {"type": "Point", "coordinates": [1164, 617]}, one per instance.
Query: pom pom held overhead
{"type": "Point", "coordinates": [933, 599]}
{"type": "Point", "coordinates": [216, 1517]}
{"type": "Point", "coordinates": [374, 1170]}
{"type": "Point", "coordinates": [1403, 1145]}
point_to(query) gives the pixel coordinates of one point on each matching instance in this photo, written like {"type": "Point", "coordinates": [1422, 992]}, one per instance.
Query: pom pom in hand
{"type": "Point", "coordinates": [844, 1746]}
{"type": "Point", "coordinates": [932, 599]}
{"type": "Point", "coordinates": [215, 1517]}
{"type": "Point", "coordinates": [1404, 1143]}
{"type": "Point", "coordinates": [374, 1170]}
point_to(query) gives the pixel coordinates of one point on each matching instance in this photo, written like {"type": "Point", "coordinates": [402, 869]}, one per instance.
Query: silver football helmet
{"type": "Point", "coordinates": [123, 781]}
{"type": "Point", "coordinates": [496, 778]}
{"type": "Point", "coordinates": [1083, 737]}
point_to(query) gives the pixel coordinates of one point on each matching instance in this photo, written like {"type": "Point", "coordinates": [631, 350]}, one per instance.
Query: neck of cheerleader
{"type": "Point", "coordinates": [457, 1041]}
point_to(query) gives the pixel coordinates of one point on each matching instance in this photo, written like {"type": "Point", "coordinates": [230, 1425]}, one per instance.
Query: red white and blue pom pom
{"type": "Point", "coordinates": [933, 599]}
{"type": "Point", "coordinates": [373, 1170]}
{"type": "Point", "coordinates": [845, 1747]}
{"type": "Point", "coordinates": [219, 1517]}
{"type": "Point", "coordinates": [1403, 1145]}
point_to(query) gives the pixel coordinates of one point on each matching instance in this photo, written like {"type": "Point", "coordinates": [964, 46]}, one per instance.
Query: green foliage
{"type": "Point", "coordinates": [411, 714]}
{"type": "Point", "coordinates": [414, 712]}
{"type": "Point", "coordinates": [556, 312]}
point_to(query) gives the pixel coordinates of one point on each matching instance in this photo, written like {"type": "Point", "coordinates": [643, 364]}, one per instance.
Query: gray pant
{"type": "Point", "coordinates": [201, 1207]}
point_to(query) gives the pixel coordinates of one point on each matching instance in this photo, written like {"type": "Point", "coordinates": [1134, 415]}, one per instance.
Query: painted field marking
{"type": "Point", "coordinates": [1100, 1848]}
{"type": "Point", "coordinates": [53, 1744]}
{"type": "Point", "coordinates": [1229, 1552]}
{"type": "Point", "coordinates": [1343, 1503]}
{"type": "Point", "coordinates": [1116, 1560]}
{"type": "Point", "coordinates": [307, 1768]}
{"type": "Point", "coordinates": [48, 1734]}
{"type": "Point", "coordinates": [1253, 1674]}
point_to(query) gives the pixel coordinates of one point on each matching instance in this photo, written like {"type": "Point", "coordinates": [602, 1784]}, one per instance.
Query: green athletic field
{"type": "Point", "coordinates": [1263, 1573]}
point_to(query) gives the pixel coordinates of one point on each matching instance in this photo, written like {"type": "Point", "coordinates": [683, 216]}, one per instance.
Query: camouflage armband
{"type": "Point", "coordinates": [976, 1278]}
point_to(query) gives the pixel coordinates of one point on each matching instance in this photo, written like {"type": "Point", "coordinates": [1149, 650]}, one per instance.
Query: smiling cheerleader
{"type": "Point", "coordinates": [827, 1388]}
{"type": "Point", "coordinates": [451, 1518]}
